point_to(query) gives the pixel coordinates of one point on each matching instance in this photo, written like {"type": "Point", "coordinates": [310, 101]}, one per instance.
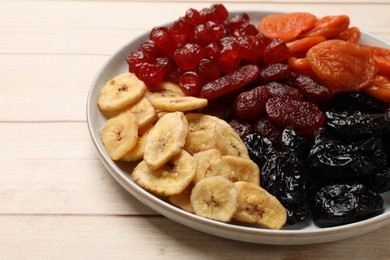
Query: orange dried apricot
{"type": "Point", "coordinates": [343, 65]}
{"type": "Point", "coordinates": [286, 26]}
{"type": "Point", "coordinates": [350, 35]}
{"type": "Point", "coordinates": [301, 65]}
{"type": "Point", "coordinates": [382, 56]}
{"type": "Point", "coordinates": [328, 26]}
{"type": "Point", "coordinates": [304, 44]}
{"type": "Point", "coordinates": [380, 88]}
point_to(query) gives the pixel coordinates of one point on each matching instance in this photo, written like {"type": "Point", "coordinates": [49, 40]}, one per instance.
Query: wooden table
{"type": "Point", "coordinates": [57, 201]}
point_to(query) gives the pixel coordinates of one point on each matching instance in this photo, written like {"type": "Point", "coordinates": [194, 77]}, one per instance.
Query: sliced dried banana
{"type": "Point", "coordinates": [182, 200]}
{"type": "Point", "coordinates": [229, 142]}
{"type": "Point", "coordinates": [199, 141]}
{"type": "Point", "coordinates": [171, 178]}
{"type": "Point", "coordinates": [183, 104]}
{"type": "Point", "coordinates": [205, 159]}
{"type": "Point", "coordinates": [214, 198]}
{"type": "Point", "coordinates": [199, 121]}
{"type": "Point", "coordinates": [145, 112]}
{"type": "Point", "coordinates": [120, 135]}
{"type": "Point", "coordinates": [121, 91]}
{"type": "Point", "coordinates": [257, 206]}
{"type": "Point", "coordinates": [137, 153]}
{"type": "Point", "coordinates": [165, 139]}
{"type": "Point", "coordinates": [235, 169]}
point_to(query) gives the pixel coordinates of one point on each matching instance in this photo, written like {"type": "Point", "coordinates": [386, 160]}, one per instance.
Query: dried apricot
{"type": "Point", "coordinates": [304, 44]}
{"type": "Point", "coordinates": [343, 65]}
{"type": "Point", "coordinates": [328, 26]}
{"type": "Point", "coordinates": [350, 35]}
{"type": "Point", "coordinates": [380, 88]}
{"type": "Point", "coordinates": [286, 26]}
{"type": "Point", "coordinates": [301, 65]}
{"type": "Point", "coordinates": [382, 56]}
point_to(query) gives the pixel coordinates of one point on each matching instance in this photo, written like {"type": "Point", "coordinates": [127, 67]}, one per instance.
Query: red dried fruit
{"type": "Point", "coordinates": [151, 74]}
{"type": "Point", "coordinates": [313, 90]}
{"type": "Point", "coordinates": [273, 72]}
{"type": "Point", "coordinates": [251, 104]}
{"type": "Point", "coordinates": [229, 57]}
{"type": "Point", "coordinates": [193, 17]}
{"type": "Point", "coordinates": [181, 31]}
{"type": "Point", "coordinates": [163, 40]}
{"type": "Point", "coordinates": [218, 109]}
{"type": "Point", "coordinates": [208, 71]}
{"type": "Point", "coordinates": [269, 130]}
{"type": "Point", "coordinates": [238, 21]}
{"type": "Point", "coordinates": [276, 89]}
{"type": "Point", "coordinates": [207, 33]}
{"type": "Point", "coordinates": [242, 128]}
{"type": "Point", "coordinates": [276, 51]}
{"type": "Point", "coordinates": [166, 64]}
{"type": "Point", "coordinates": [188, 56]}
{"type": "Point", "coordinates": [251, 47]}
{"type": "Point", "coordinates": [212, 51]}
{"type": "Point", "coordinates": [190, 83]}
{"type": "Point", "coordinates": [217, 13]}
{"type": "Point", "coordinates": [230, 82]}
{"type": "Point", "coordinates": [305, 117]}
{"type": "Point", "coordinates": [136, 59]}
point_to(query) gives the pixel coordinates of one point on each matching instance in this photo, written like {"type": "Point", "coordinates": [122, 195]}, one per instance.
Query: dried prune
{"type": "Point", "coordinates": [339, 159]}
{"type": "Point", "coordinates": [341, 204]}
{"type": "Point", "coordinates": [273, 132]}
{"type": "Point", "coordinates": [260, 149]}
{"type": "Point", "coordinates": [356, 101]}
{"type": "Point", "coordinates": [380, 181]}
{"type": "Point", "coordinates": [352, 125]}
{"type": "Point", "coordinates": [295, 142]}
{"type": "Point", "coordinates": [284, 175]}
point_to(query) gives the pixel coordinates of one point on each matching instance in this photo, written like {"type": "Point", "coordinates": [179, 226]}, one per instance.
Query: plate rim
{"type": "Point", "coordinates": [226, 230]}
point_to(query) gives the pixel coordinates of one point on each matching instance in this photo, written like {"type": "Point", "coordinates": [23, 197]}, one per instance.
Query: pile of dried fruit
{"type": "Point", "coordinates": [302, 98]}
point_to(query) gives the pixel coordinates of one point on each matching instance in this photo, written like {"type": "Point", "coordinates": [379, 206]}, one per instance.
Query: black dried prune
{"type": "Point", "coordinates": [356, 101]}
{"type": "Point", "coordinates": [284, 176]}
{"type": "Point", "coordinates": [259, 148]}
{"type": "Point", "coordinates": [341, 204]}
{"type": "Point", "coordinates": [380, 181]}
{"type": "Point", "coordinates": [355, 125]}
{"type": "Point", "coordinates": [339, 159]}
{"type": "Point", "coordinates": [295, 142]}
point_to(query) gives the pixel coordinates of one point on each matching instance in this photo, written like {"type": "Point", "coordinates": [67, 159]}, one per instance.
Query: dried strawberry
{"type": "Point", "coordinates": [304, 116]}
{"type": "Point", "coordinates": [251, 104]}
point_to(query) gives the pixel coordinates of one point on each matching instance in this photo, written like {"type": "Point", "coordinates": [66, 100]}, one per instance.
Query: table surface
{"type": "Point", "coordinates": [57, 201]}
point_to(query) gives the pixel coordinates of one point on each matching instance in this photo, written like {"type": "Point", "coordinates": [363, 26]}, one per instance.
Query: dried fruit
{"type": "Point", "coordinates": [251, 104]}
{"type": "Point", "coordinates": [230, 82]}
{"type": "Point", "coordinates": [343, 65]}
{"type": "Point", "coordinates": [304, 116]}
{"type": "Point", "coordinates": [328, 26]}
{"type": "Point", "coordinates": [286, 26]}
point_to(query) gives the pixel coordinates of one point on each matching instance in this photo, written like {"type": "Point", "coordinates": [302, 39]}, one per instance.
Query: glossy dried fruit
{"type": "Point", "coordinates": [340, 159]}
{"type": "Point", "coordinates": [260, 148]}
{"type": "Point", "coordinates": [352, 34]}
{"type": "Point", "coordinates": [382, 56]}
{"type": "Point", "coordinates": [286, 26]}
{"type": "Point", "coordinates": [341, 204]}
{"type": "Point", "coordinates": [357, 101]}
{"type": "Point", "coordinates": [343, 65]}
{"type": "Point", "coordinates": [269, 130]}
{"type": "Point", "coordinates": [276, 51]}
{"type": "Point", "coordinates": [243, 128]}
{"type": "Point", "coordinates": [230, 82]}
{"type": "Point", "coordinates": [304, 116]}
{"type": "Point", "coordinates": [274, 72]}
{"type": "Point", "coordinates": [188, 57]}
{"type": "Point", "coordinates": [301, 66]}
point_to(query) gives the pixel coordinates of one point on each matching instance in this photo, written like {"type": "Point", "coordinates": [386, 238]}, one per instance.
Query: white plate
{"type": "Point", "coordinates": [303, 233]}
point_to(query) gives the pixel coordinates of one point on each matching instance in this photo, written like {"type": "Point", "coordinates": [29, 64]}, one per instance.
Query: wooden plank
{"type": "Point", "coordinates": [105, 237]}
{"type": "Point", "coordinates": [70, 187]}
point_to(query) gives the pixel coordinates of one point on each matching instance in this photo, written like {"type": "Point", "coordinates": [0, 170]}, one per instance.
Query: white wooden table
{"type": "Point", "coordinates": [57, 201]}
